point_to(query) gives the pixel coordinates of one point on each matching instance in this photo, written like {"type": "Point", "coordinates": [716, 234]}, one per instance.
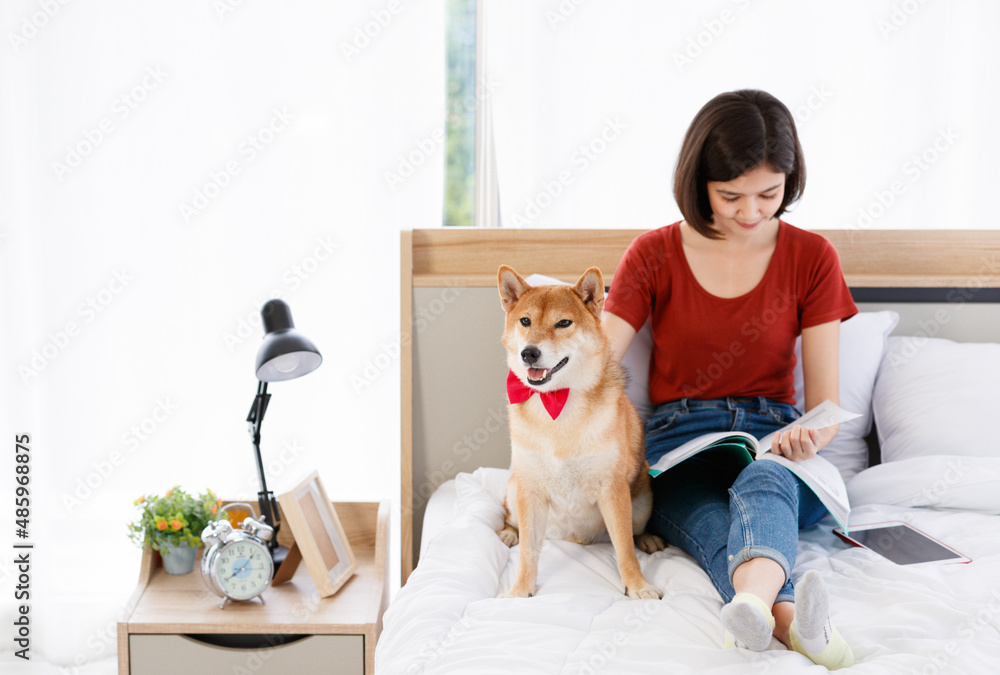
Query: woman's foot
{"type": "Point", "coordinates": [748, 623]}
{"type": "Point", "coordinates": [812, 633]}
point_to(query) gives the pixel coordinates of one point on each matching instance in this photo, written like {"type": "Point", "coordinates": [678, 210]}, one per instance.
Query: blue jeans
{"type": "Point", "coordinates": [715, 507]}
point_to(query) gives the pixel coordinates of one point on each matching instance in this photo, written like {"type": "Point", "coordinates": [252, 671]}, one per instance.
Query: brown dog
{"type": "Point", "coordinates": [579, 467]}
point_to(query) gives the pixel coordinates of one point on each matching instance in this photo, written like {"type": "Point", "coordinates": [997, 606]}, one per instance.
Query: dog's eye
{"type": "Point", "coordinates": [525, 321]}
{"type": "Point", "coordinates": [565, 323]}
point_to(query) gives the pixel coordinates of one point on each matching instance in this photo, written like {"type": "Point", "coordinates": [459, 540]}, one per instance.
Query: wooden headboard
{"type": "Point", "coordinates": [453, 414]}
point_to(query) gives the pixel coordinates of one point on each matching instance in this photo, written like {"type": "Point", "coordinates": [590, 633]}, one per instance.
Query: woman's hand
{"type": "Point", "coordinates": [820, 371]}
{"type": "Point", "coordinates": [799, 443]}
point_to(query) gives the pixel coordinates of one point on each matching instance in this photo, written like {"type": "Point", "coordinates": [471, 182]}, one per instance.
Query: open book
{"type": "Point", "coordinates": [818, 473]}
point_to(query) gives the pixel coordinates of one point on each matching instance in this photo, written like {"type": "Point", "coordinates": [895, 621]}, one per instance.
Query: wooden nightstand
{"type": "Point", "coordinates": [176, 626]}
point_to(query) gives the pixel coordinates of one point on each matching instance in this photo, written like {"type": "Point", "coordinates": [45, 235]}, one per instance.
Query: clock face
{"type": "Point", "coordinates": [244, 569]}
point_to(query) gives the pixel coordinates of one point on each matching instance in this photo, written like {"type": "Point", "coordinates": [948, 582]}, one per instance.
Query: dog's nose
{"type": "Point", "coordinates": [530, 354]}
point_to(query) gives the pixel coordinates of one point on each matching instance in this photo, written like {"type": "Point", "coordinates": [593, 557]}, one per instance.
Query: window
{"type": "Point", "coordinates": [460, 127]}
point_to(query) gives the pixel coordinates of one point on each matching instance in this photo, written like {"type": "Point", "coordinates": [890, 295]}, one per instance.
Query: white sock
{"type": "Point", "coordinates": [749, 623]}
{"type": "Point", "coordinates": [812, 633]}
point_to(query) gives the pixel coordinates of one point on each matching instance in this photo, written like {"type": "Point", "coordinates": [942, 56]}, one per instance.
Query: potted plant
{"type": "Point", "coordinates": [172, 525]}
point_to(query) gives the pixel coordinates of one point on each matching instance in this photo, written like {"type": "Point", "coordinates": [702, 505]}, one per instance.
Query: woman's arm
{"type": "Point", "coordinates": [619, 332]}
{"type": "Point", "coordinates": [820, 374]}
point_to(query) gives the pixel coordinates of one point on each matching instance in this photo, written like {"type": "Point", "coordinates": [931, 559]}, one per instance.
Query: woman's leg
{"type": "Point", "coordinates": [764, 513]}
{"type": "Point", "coordinates": [769, 505]}
{"type": "Point", "coordinates": [693, 506]}
{"type": "Point", "coordinates": [691, 511]}
{"type": "Point", "coordinates": [771, 502]}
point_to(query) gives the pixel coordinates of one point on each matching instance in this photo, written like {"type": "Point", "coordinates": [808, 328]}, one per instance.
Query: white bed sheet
{"type": "Point", "coordinates": [447, 618]}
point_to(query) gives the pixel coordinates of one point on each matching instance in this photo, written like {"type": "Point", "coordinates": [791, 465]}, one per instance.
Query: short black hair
{"type": "Point", "coordinates": [732, 134]}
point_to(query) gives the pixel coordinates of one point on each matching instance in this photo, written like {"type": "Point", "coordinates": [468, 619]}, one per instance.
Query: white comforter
{"type": "Point", "coordinates": [447, 618]}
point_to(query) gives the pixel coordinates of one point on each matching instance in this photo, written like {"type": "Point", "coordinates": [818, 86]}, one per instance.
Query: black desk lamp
{"type": "Point", "coordinates": [284, 355]}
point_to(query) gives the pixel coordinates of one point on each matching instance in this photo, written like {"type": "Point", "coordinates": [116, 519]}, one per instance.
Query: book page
{"type": "Point", "coordinates": [826, 414]}
{"type": "Point", "coordinates": [693, 447]}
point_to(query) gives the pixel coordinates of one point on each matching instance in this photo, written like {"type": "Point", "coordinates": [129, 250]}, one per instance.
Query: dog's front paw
{"type": "Point", "coordinates": [650, 543]}
{"type": "Point", "coordinates": [519, 591]}
{"type": "Point", "coordinates": [647, 592]}
{"type": "Point", "coordinates": [508, 535]}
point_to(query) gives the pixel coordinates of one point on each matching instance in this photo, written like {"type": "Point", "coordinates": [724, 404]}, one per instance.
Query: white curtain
{"type": "Point", "coordinates": [165, 169]}
{"type": "Point", "coordinates": [895, 103]}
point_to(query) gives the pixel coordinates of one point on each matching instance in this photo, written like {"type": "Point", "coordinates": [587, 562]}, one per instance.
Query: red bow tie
{"type": "Point", "coordinates": [518, 392]}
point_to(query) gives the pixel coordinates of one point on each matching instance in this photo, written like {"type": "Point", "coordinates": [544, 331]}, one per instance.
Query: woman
{"type": "Point", "coordinates": [728, 290]}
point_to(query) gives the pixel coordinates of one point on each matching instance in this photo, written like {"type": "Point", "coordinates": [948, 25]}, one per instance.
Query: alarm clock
{"type": "Point", "coordinates": [237, 564]}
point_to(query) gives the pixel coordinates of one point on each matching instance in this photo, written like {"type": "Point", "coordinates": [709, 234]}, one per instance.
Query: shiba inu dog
{"type": "Point", "coordinates": [579, 466]}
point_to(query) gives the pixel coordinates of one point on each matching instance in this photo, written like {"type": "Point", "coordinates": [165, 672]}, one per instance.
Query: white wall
{"type": "Point", "coordinates": [113, 116]}
{"type": "Point", "coordinates": [894, 101]}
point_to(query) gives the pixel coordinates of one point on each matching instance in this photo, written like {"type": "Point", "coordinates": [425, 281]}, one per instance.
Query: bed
{"type": "Point", "coordinates": [921, 363]}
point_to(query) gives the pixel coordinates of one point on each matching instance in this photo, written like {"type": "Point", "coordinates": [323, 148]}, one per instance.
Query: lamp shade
{"type": "Point", "coordinates": [285, 353]}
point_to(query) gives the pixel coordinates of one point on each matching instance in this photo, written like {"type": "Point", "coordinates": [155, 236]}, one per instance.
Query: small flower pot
{"type": "Point", "coordinates": [179, 559]}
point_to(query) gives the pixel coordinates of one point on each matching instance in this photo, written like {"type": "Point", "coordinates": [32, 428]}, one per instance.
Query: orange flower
{"type": "Point", "coordinates": [176, 524]}
{"type": "Point", "coordinates": [140, 500]}
{"type": "Point", "coordinates": [169, 492]}
{"type": "Point", "coordinates": [161, 525]}
{"type": "Point", "coordinates": [215, 508]}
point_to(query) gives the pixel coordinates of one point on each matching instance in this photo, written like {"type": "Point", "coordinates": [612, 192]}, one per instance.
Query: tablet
{"type": "Point", "coordinates": [901, 543]}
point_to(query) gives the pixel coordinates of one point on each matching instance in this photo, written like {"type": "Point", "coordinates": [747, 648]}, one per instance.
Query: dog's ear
{"type": "Point", "coordinates": [590, 288]}
{"type": "Point", "coordinates": [511, 286]}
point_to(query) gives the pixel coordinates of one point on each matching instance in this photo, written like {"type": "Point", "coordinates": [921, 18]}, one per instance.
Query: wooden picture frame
{"type": "Point", "coordinates": [320, 541]}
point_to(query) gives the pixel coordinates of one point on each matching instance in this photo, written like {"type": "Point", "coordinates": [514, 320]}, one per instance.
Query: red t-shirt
{"type": "Point", "coordinates": [707, 347]}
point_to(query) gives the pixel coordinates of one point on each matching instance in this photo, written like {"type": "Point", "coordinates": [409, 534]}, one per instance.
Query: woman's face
{"type": "Point", "coordinates": [746, 205]}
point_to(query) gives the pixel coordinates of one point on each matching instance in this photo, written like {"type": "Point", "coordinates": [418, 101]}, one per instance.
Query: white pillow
{"type": "Point", "coordinates": [486, 480]}
{"type": "Point", "coordinates": [862, 343]}
{"type": "Point", "coordinates": [942, 481]}
{"type": "Point", "coordinates": [937, 397]}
